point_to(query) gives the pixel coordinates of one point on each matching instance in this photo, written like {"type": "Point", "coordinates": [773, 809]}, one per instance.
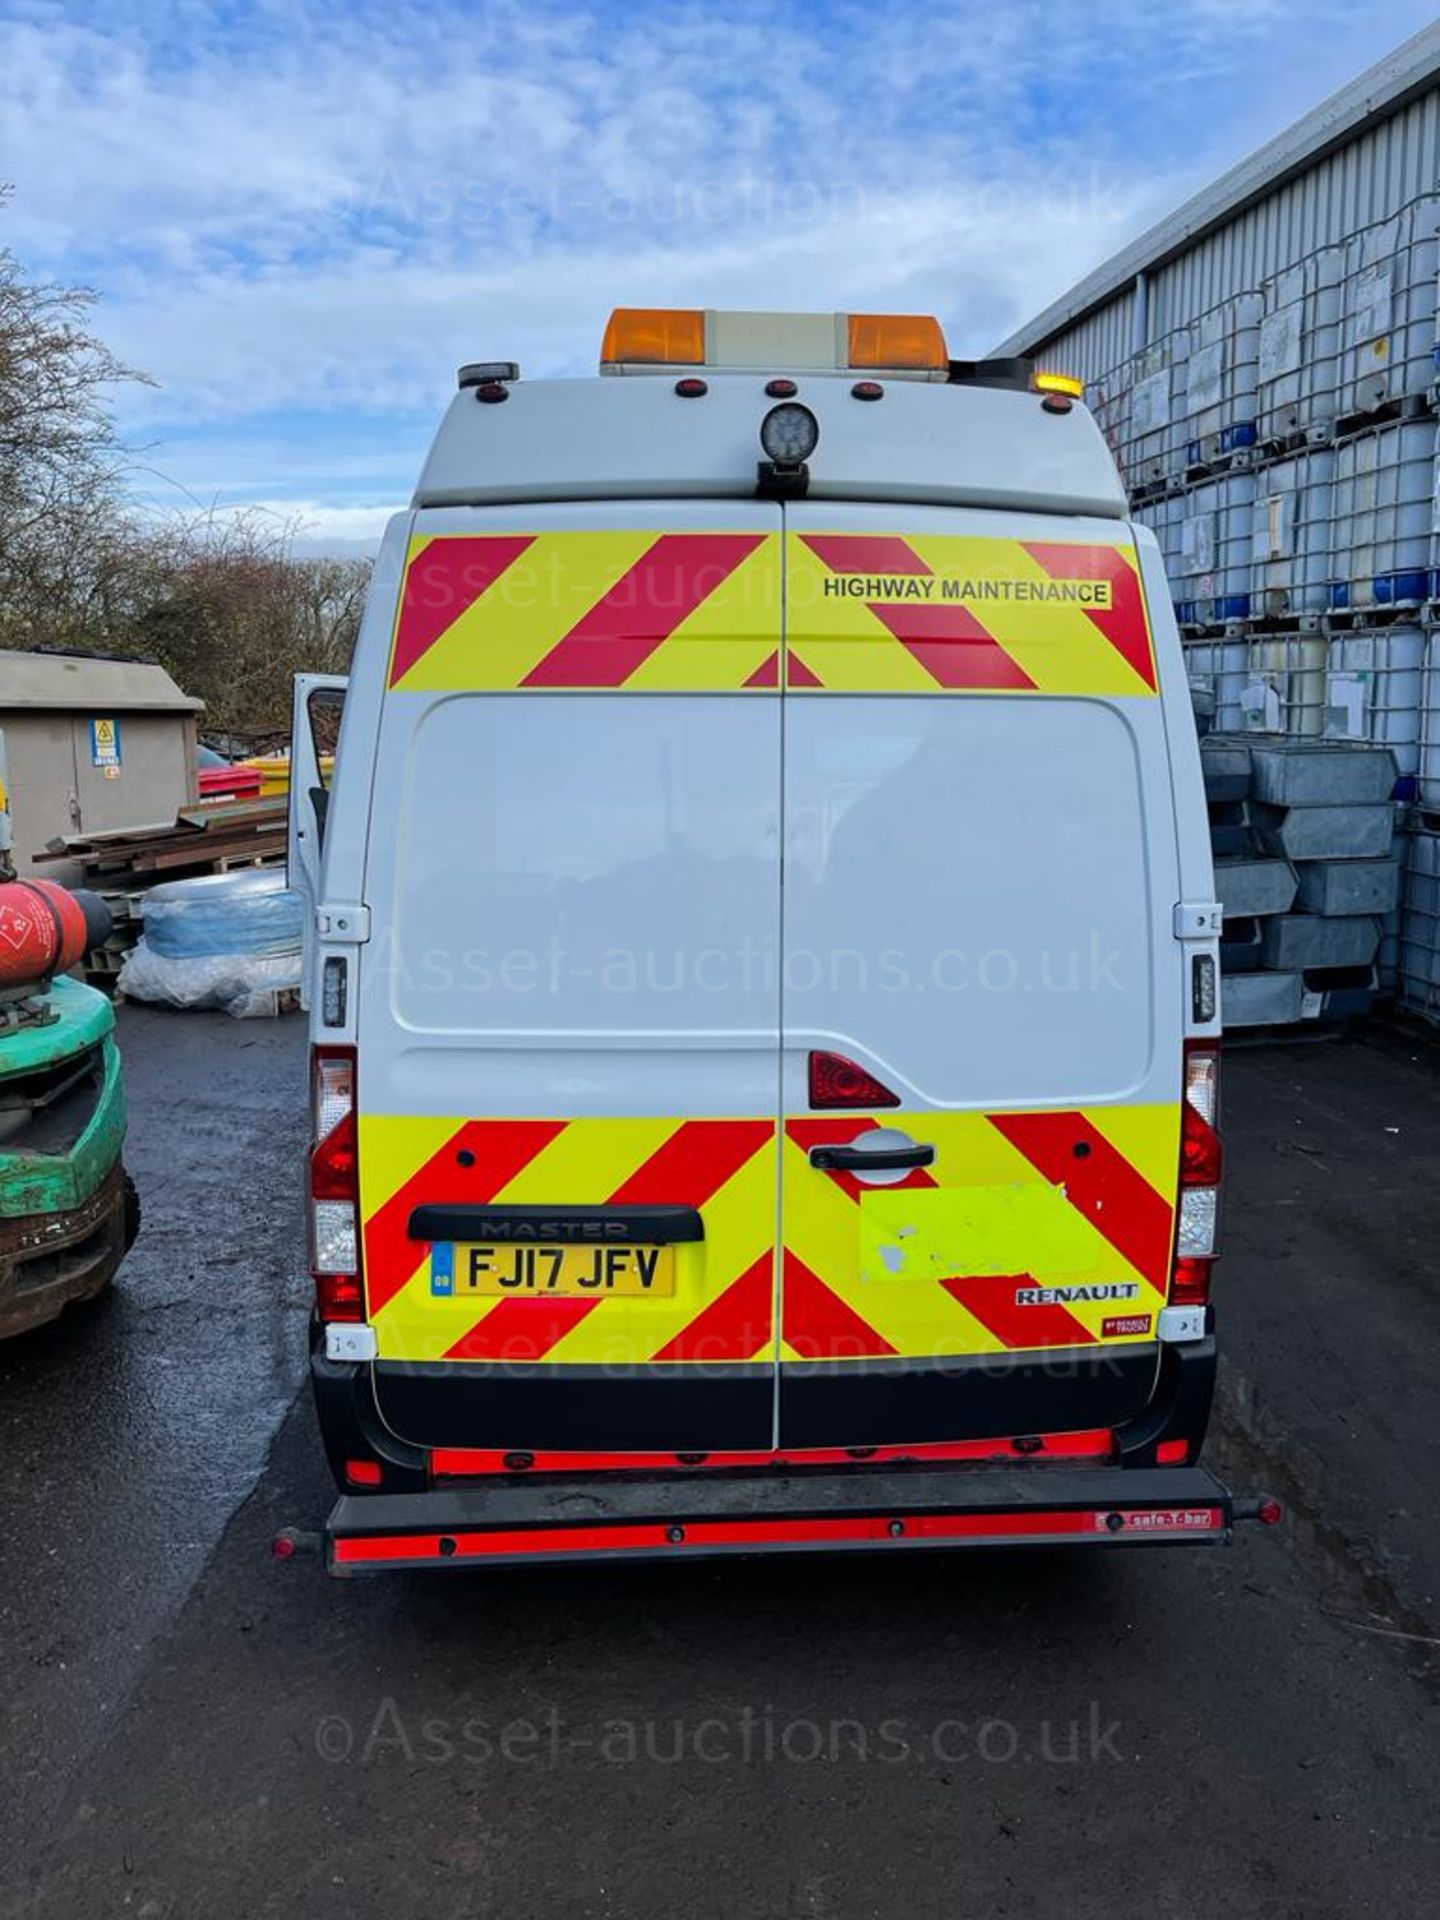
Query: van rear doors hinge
{"type": "Point", "coordinates": [342, 923]}
{"type": "Point", "coordinates": [1198, 920]}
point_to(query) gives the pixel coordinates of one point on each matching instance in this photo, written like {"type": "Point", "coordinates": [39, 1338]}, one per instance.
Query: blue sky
{"type": "Point", "coordinates": [302, 218]}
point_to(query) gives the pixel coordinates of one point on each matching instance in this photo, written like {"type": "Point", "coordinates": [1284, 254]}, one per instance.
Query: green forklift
{"type": "Point", "coordinates": [68, 1210]}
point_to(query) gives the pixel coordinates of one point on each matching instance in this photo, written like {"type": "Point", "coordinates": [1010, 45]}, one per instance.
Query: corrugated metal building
{"type": "Point", "coordinates": [1366, 153]}
{"type": "Point", "coordinates": [93, 745]}
{"type": "Point", "coordinates": [1264, 364]}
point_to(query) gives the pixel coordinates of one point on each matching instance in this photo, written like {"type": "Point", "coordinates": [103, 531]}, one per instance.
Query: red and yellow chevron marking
{"type": "Point", "coordinates": [926, 613]}
{"type": "Point", "coordinates": [646, 610]}
{"type": "Point", "coordinates": [928, 1268]}
{"type": "Point", "coordinates": [932, 1266]}
{"type": "Point", "coordinates": [641, 610]}
{"type": "Point", "coordinates": [723, 1307]}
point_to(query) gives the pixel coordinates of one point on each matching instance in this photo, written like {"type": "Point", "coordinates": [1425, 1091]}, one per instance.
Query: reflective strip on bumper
{"type": "Point", "coordinates": [1099, 1526]}
{"type": "Point", "coordinates": [458, 1463]}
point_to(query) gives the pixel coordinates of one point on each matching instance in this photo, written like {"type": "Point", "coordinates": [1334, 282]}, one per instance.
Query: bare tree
{"type": "Point", "coordinates": [219, 597]}
{"type": "Point", "coordinates": [59, 458]}
{"type": "Point", "coordinates": [234, 613]}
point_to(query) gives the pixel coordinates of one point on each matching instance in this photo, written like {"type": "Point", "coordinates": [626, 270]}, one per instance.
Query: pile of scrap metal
{"type": "Point", "coordinates": [68, 1210]}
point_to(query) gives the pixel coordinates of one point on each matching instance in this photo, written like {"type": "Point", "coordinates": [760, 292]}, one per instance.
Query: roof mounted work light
{"type": "Point", "coordinates": [789, 434]}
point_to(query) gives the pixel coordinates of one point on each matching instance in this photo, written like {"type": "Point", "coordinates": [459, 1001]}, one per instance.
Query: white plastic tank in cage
{"type": "Point", "coordinates": [1382, 516]}
{"type": "Point", "coordinates": [1430, 722]}
{"type": "Point", "coordinates": [1163, 519]}
{"type": "Point", "coordinates": [1284, 689]}
{"type": "Point", "coordinates": [1147, 435]}
{"type": "Point", "coordinates": [1373, 690]}
{"type": "Point", "coordinates": [1390, 308]}
{"type": "Point", "coordinates": [1292, 534]}
{"type": "Point", "coordinates": [1420, 925]}
{"type": "Point", "coordinates": [1222, 667]}
{"type": "Point", "coordinates": [1108, 398]}
{"type": "Point", "coordinates": [1299, 347]}
{"type": "Point", "coordinates": [1216, 542]}
{"type": "Point", "coordinates": [1221, 379]}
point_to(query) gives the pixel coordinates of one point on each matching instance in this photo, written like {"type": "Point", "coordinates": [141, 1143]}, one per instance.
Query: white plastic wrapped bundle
{"type": "Point", "coordinates": [229, 941]}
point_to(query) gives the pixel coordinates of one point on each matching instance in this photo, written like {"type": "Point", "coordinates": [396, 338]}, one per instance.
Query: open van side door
{"type": "Point", "coordinates": [316, 706]}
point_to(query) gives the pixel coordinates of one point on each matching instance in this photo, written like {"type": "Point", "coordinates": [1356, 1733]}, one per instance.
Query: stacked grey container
{"type": "Point", "coordinates": [1306, 872]}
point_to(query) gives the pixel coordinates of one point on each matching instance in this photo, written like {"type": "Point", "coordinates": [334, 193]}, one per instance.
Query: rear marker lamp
{"type": "Point", "coordinates": [1202, 989]}
{"type": "Point", "coordinates": [838, 1082]}
{"type": "Point", "coordinates": [334, 991]}
{"type": "Point", "coordinates": [335, 1186]}
{"type": "Point", "coordinates": [1200, 1165]}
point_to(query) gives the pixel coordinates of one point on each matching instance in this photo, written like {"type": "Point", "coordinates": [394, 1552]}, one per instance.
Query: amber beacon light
{"type": "Point", "coordinates": [655, 336]}
{"type": "Point", "coordinates": [904, 345]}
{"type": "Point", "coordinates": [908, 342]}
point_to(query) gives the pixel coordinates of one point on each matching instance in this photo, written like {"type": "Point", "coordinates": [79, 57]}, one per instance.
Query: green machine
{"type": "Point", "coordinates": [68, 1210]}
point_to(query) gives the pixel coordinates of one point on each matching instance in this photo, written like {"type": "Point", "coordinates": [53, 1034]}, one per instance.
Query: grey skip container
{"type": "Point", "coordinates": [1303, 773]}
{"type": "Point", "coordinates": [1319, 940]}
{"type": "Point", "coordinates": [1261, 999]}
{"type": "Point", "coordinates": [1226, 765]}
{"type": "Point", "coordinates": [1325, 833]}
{"type": "Point", "coordinates": [1349, 886]}
{"type": "Point", "coordinates": [1249, 889]}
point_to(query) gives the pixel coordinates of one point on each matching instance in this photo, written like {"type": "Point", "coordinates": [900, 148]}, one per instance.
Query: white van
{"type": "Point", "coordinates": [764, 985]}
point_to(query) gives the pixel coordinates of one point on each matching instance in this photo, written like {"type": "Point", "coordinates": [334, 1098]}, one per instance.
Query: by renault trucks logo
{"type": "Point", "coordinates": [1076, 1295]}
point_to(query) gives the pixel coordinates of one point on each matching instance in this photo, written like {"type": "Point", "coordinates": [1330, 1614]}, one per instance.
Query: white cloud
{"type": "Point", "coordinates": [303, 221]}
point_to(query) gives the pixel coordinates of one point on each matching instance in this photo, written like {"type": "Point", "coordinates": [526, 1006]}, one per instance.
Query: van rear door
{"type": "Point", "coordinates": [568, 1038]}
{"type": "Point", "coordinates": [982, 988]}
{"type": "Point", "coordinates": [317, 701]}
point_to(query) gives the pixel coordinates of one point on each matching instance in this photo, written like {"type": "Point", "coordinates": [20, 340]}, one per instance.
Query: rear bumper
{"type": "Point", "coordinates": [660, 1517]}
{"type": "Point", "coordinates": [1158, 1410]}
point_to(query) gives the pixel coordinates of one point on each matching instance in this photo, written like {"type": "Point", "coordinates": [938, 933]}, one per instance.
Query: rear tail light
{"type": "Point", "coordinates": [335, 1185]}
{"type": "Point", "coordinates": [838, 1082]}
{"type": "Point", "coordinates": [1200, 1165]}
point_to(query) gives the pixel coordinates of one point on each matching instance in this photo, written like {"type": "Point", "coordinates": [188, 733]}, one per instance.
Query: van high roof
{"type": "Point", "coordinates": [914, 426]}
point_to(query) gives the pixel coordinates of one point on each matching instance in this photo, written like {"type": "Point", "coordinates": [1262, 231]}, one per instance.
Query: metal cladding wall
{"type": "Point", "coordinates": [1353, 162]}
{"type": "Point", "coordinates": [1264, 366]}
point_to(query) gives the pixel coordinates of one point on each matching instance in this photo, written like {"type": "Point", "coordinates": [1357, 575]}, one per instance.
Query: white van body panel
{"type": "Point", "coordinates": [610, 923]}
{"type": "Point", "coordinates": [617, 439]}
{"type": "Point", "coordinates": [605, 1003]}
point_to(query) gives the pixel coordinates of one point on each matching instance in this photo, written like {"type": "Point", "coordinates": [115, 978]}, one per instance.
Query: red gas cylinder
{"type": "Point", "coordinates": [45, 929]}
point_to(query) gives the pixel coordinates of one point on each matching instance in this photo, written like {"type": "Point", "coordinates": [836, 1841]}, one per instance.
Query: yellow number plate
{"type": "Point", "coordinates": [584, 1273]}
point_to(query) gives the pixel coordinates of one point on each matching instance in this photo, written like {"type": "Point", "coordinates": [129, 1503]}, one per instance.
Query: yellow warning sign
{"type": "Point", "coordinates": [105, 745]}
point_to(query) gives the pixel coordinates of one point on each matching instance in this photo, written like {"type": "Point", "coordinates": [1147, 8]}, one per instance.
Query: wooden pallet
{"type": "Point", "coordinates": [202, 840]}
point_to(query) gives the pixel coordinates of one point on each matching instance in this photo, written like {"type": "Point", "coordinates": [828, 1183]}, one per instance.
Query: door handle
{"type": "Point", "coordinates": [879, 1159]}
